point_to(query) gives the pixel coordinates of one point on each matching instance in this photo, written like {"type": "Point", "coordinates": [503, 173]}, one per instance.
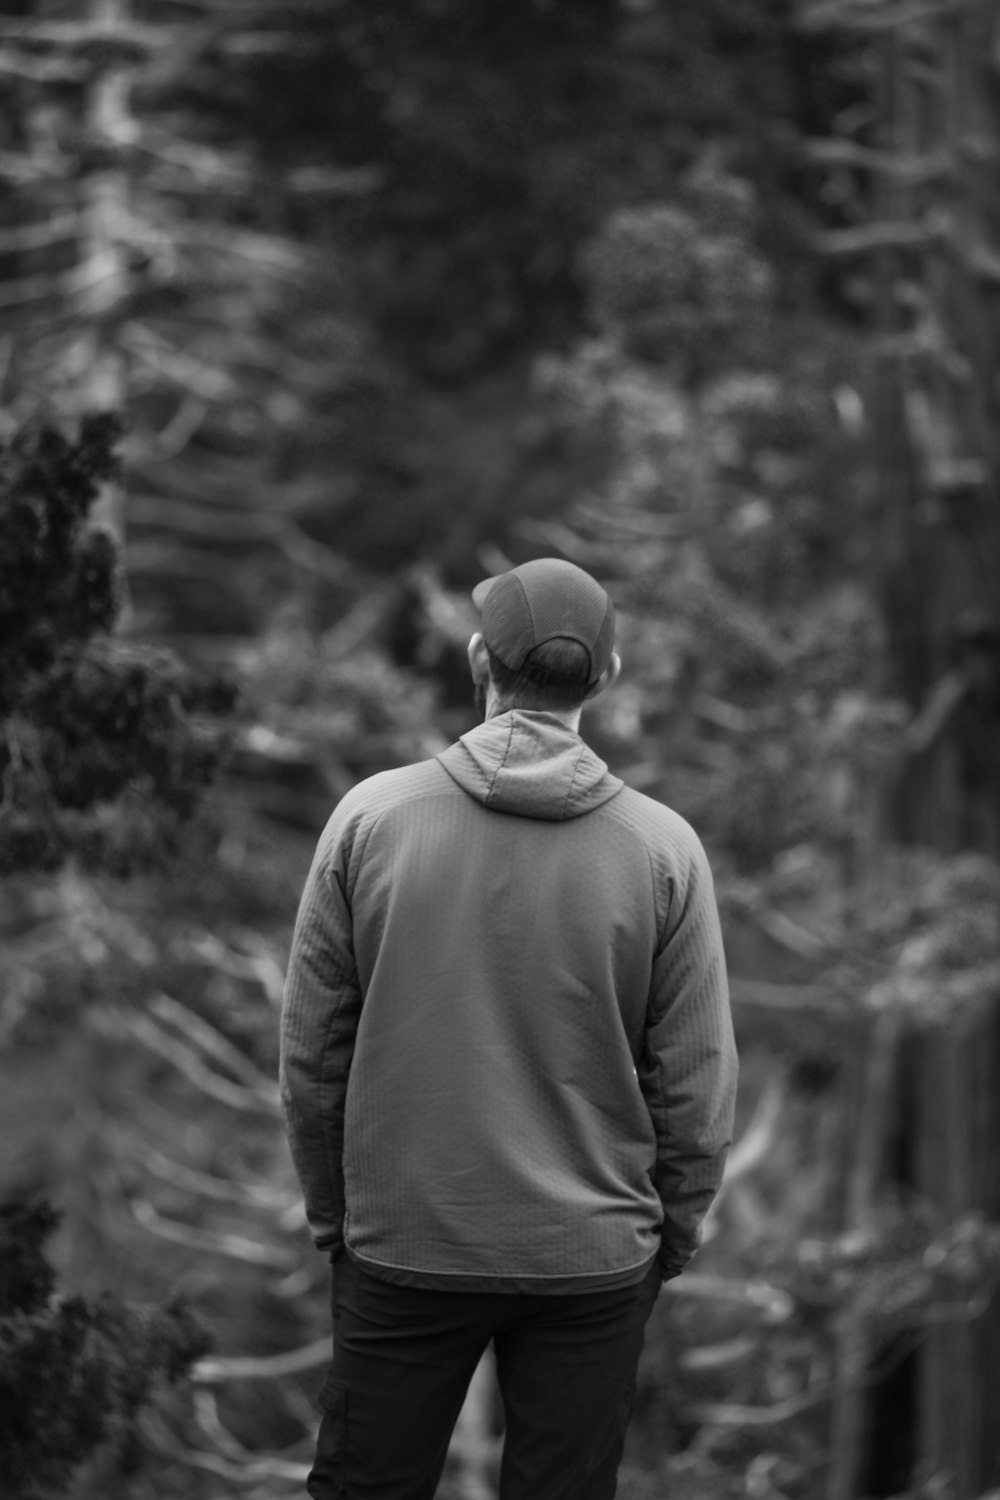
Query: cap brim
{"type": "Point", "coordinates": [482, 591]}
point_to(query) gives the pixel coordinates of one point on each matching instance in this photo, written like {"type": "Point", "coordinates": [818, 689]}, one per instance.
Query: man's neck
{"type": "Point", "coordinates": [568, 716]}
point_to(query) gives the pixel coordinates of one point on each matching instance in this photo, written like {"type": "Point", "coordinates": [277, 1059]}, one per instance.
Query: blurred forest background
{"type": "Point", "coordinates": [701, 294]}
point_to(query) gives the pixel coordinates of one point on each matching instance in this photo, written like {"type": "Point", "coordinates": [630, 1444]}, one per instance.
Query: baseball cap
{"type": "Point", "coordinates": [545, 600]}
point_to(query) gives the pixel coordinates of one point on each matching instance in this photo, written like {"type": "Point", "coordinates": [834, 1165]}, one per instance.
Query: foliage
{"type": "Point", "coordinates": [727, 519]}
{"type": "Point", "coordinates": [101, 761]}
{"type": "Point", "coordinates": [505, 135]}
{"type": "Point", "coordinates": [72, 1375]}
{"type": "Point", "coordinates": [303, 281]}
{"type": "Point", "coordinates": [55, 582]}
{"type": "Point", "coordinates": [148, 266]}
{"type": "Point", "coordinates": [678, 287]}
{"type": "Point", "coordinates": [93, 727]}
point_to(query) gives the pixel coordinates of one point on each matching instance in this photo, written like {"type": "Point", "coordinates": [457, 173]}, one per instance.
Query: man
{"type": "Point", "coordinates": [508, 1071]}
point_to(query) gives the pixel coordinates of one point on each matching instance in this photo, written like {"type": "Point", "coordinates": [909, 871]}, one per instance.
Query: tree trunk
{"type": "Point", "coordinates": [850, 1426]}
{"type": "Point", "coordinates": [104, 251]}
{"type": "Point", "coordinates": [934, 407]}
{"type": "Point", "coordinates": [956, 1067]}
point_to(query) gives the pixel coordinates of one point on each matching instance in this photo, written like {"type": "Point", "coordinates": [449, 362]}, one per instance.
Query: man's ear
{"type": "Point", "coordinates": [608, 677]}
{"type": "Point", "coordinates": [479, 659]}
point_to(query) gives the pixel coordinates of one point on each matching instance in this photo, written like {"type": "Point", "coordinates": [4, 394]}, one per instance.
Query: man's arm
{"type": "Point", "coordinates": [688, 1068]}
{"type": "Point", "coordinates": [319, 1021]}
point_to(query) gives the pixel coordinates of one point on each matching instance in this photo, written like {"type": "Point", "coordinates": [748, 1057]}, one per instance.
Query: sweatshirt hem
{"type": "Point", "coordinates": [460, 1281]}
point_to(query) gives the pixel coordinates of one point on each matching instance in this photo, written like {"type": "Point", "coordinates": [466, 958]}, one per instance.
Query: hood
{"type": "Point", "coordinates": [532, 765]}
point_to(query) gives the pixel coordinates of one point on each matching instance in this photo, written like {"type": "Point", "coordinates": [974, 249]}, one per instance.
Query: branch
{"type": "Point", "coordinates": [755, 1142]}
{"type": "Point", "coordinates": [642, 525]}
{"type": "Point", "coordinates": [216, 1371]}
{"type": "Point", "coordinates": [902, 235]}
{"type": "Point", "coordinates": [171, 558]}
{"type": "Point", "coordinates": [247, 1472]}
{"type": "Point", "coordinates": [982, 261]}
{"type": "Point", "coordinates": [731, 1414]}
{"type": "Point", "coordinates": [791, 934]}
{"type": "Point", "coordinates": [774, 1305]}
{"type": "Point", "coordinates": [835, 14]}
{"type": "Point", "coordinates": [91, 34]}
{"type": "Point", "coordinates": [556, 534]}
{"type": "Point", "coordinates": [298, 1283]}
{"type": "Point", "coordinates": [56, 284]}
{"type": "Point", "coordinates": [219, 1189]}
{"type": "Point", "coordinates": [231, 524]}
{"type": "Point", "coordinates": [839, 152]}
{"type": "Point", "coordinates": [255, 1468]}
{"type": "Point", "coordinates": [352, 629]}
{"type": "Point", "coordinates": [780, 997]}
{"type": "Point", "coordinates": [724, 715]}
{"type": "Point", "coordinates": [304, 811]}
{"type": "Point", "coordinates": [719, 1356]}
{"type": "Point", "coordinates": [262, 967]}
{"type": "Point", "coordinates": [206, 520]}
{"type": "Point", "coordinates": [259, 742]}
{"type": "Point", "coordinates": [265, 44]}
{"type": "Point", "coordinates": [203, 164]}
{"type": "Point", "coordinates": [53, 231]}
{"type": "Point", "coordinates": [280, 749]}
{"type": "Point", "coordinates": [215, 483]}
{"type": "Point", "coordinates": [186, 1061]}
{"type": "Point", "coordinates": [335, 182]}
{"type": "Point", "coordinates": [209, 324]}
{"type": "Point", "coordinates": [254, 9]}
{"type": "Point", "coordinates": [943, 702]}
{"type": "Point", "coordinates": [312, 556]}
{"type": "Point", "coordinates": [171, 1011]}
{"type": "Point", "coordinates": [265, 251]}
{"type": "Point", "coordinates": [233, 1246]}
{"type": "Point", "coordinates": [43, 69]}
{"type": "Point", "coordinates": [168, 178]}
{"type": "Point", "coordinates": [182, 427]}
{"type": "Point", "coordinates": [193, 375]}
{"type": "Point", "coordinates": [206, 1410]}
{"type": "Point", "coordinates": [16, 167]}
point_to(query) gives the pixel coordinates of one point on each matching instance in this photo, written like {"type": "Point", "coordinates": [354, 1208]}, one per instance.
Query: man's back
{"type": "Point", "coordinates": [518, 919]}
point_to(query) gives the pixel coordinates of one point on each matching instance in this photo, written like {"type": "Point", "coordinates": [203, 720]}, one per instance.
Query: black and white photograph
{"type": "Point", "coordinates": [499, 749]}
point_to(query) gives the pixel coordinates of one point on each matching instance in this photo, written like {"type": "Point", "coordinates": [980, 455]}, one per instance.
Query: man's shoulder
{"type": "Point", "coordinates": [655, 822]}
{"type": "Point", "coordinates": [377, 794]}
{"type": "Point", "coordinates": [398, 783]}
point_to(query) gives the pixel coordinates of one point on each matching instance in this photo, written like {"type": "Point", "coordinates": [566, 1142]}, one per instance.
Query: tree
{"type": "Point", "coordinates": [922, 264]}
{"type": "Point", "coordinates": [143, 267]}
{"type": "Point", "coordinates": [100, 759]}
{"type": "Point", "coordinates": [734, 521]}
{"type": "Point", "coordinates": [73, 1375]}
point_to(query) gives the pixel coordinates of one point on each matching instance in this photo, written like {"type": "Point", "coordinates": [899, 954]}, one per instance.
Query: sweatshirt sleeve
{"type": "Point", "coordinates": [688, 1067]}
{"type": "Point", "coordinates": [319, 1018]}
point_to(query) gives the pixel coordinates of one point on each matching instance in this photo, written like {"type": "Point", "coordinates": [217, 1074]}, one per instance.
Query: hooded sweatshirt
{"type": "Point", "coordinates": [507, 1055]}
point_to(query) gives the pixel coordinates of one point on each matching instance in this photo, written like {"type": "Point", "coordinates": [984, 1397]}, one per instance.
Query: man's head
{"type": "Point", "coordinates": [547, 639]}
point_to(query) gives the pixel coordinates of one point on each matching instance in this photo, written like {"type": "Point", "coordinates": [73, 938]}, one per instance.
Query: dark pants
{"type": "Point", "coordinates": [403, 1358]}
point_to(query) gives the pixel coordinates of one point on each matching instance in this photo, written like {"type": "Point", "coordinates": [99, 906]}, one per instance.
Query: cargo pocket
{"type": "Point", "coordinates": [328, 1476]}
